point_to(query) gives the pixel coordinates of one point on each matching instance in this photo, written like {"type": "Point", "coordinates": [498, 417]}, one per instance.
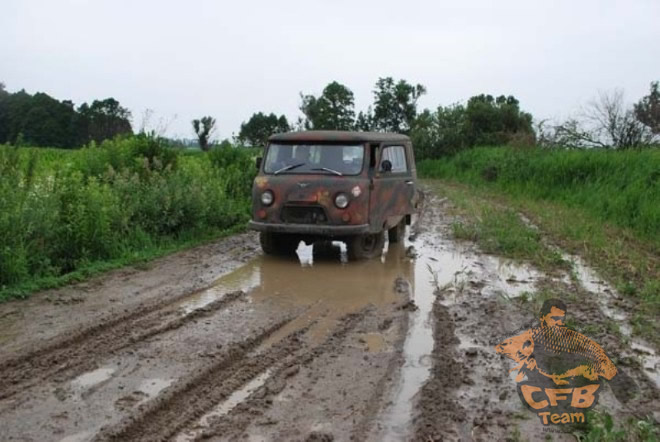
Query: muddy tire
{"type": "Point", "coordinates": [396, 233]}
{"type": "Point", "coordinates": [278, 243]}
{"type": "Point", "coordinates": [365, 246]}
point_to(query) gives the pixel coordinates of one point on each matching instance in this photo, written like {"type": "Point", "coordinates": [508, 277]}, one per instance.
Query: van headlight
{"type": "Point", "coordinates": [267, 198]}
{"type": "Point", "coordinates": [341, 201]}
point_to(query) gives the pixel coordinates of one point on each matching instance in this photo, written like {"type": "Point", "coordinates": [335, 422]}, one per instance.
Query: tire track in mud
{"type": "Point", "coordinates": [440, 412]}
{"type": "Point", "coordinates": [78, 352]}
{"type": "Point", "coordinates": [233, 424]}
{"type": "Point", "coordinates": [191, 397]}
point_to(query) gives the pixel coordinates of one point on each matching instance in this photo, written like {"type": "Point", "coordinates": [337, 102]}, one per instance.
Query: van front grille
{"type": "Point", "coordinates": [304, 215]}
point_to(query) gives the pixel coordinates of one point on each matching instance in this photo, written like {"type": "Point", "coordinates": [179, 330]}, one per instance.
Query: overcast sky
{"type": "Point", "coordinates": [230, 59]}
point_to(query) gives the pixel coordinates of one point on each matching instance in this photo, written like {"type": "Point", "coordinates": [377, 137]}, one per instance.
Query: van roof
{"type": "Point", "coordinates": [338, 136]}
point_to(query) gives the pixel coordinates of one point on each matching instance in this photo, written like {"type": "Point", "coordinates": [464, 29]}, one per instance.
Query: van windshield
{"type": "Point", "coordinates": [332, 159]}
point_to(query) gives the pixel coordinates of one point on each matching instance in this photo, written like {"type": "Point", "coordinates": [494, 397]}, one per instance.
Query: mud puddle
{"type": "Point", "coordinates": [318, 280]}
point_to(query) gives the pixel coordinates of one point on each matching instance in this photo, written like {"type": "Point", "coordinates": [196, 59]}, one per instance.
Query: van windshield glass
{"type": "Point", "coordinates": [328, 159]}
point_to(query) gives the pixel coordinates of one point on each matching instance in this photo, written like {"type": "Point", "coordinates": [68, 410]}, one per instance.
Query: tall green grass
{"type": "Point", "coordinates": [620, 187]}
{"type": "Point", "coordinates": [63, 211]}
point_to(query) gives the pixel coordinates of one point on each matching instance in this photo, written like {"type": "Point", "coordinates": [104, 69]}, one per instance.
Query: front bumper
{"type": "Point", "coordinates": [310, 229]}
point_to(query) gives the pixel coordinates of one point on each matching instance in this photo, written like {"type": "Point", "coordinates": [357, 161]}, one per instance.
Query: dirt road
{"type": "Point", "coordinates": [224, 343]}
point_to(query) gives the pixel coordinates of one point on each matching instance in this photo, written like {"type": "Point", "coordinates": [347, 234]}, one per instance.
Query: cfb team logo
{"type": "Point", "coordinates": [559, 369]}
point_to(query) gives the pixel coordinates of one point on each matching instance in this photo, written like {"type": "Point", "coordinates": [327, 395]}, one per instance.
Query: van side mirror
{"type": "Point", "coordinates": [258, 163]}
{"type": "Point", "coordinates": [386, 166]}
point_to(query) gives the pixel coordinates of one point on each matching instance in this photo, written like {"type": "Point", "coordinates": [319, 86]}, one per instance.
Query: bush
{"type": "Point", "coordinates": [62, 212]}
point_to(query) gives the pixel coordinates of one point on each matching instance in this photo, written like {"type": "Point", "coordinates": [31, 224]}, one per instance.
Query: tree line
{"type": "Point", "coordinates": [484, 120]}
{"type": "Point", "coordinates": [42, 120]}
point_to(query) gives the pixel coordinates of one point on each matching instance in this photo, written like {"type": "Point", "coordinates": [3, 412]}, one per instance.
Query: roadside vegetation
{"type": "Point", "coordinates": [68, 214]}
{"type": "Point", "coordinates": [601, 205]}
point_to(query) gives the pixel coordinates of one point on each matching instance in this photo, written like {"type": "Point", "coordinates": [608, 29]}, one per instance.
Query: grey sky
{"type": "Point", "coordinates": [230, 59]}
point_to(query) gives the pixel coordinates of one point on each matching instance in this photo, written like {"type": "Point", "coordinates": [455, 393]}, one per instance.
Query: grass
{"type": "Point", "coordinates": [497, 229]}
{"type": "Point", "coordinates": [623, 256]}
{"type": "Point", "coordinates": [601, 427]}
{"type": "Point", "coordinates": [71, 214]}
{"type": "Point", "coordinates": [621, 188]}
{"type": "Point", "coordinates": [137, 258]}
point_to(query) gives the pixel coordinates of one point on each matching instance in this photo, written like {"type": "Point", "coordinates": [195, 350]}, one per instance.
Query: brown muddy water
{"type": "Point", "coordinates": [224, 343]}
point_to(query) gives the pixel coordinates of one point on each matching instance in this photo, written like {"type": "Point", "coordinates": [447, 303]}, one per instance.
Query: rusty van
{"type": "Point", "coordinates": [334, 185]}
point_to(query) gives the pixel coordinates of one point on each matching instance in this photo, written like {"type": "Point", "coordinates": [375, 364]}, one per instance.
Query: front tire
{"type": "Point", "coordinates": [367, 246]}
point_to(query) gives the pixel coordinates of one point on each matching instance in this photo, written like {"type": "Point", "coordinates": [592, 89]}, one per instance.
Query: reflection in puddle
{"type": "Point", "coordinates": [224, 407]}
{"type": "Point", "coordinates": [417, 347]}
{"type": "Point", "coordinates": [92, 378]}
{"type": "Point", "coordinates": [327, 288]}
{"type": "Point", "coordinates": [244, 278]}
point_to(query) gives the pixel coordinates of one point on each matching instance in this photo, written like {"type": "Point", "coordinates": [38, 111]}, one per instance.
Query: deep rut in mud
{"type": "Point", "coordinates": [70, 355]}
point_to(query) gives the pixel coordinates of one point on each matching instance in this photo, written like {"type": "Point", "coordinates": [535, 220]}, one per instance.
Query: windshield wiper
{"type": "Point", "coordinates": [285, 168]}
{"type": "Point", "coordinates": [327, 169]}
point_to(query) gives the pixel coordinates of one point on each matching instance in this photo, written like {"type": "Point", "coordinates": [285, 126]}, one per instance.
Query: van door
{"type": "Point", "coordinates": [393, 191]}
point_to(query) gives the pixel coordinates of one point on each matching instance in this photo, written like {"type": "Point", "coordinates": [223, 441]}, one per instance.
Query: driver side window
{"type": "Point", "coordinates": [396, 155]}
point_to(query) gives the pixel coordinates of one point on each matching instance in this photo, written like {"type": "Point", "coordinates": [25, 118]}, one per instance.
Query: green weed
{"type": "Point", "coordinates": [621, 187]}
{"type": "Point", "coordinates": [68, 214]}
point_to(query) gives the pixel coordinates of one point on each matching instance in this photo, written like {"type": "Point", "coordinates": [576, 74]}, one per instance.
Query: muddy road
{"type": "Point", "coordinates": [223, 343]}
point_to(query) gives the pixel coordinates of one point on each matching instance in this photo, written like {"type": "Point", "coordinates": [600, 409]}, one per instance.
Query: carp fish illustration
{"type": "Point", "coordinates": [556, 351]}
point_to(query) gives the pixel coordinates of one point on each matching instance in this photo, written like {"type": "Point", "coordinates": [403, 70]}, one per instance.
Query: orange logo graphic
{"type": "Point", "coordinates": [559, 369]}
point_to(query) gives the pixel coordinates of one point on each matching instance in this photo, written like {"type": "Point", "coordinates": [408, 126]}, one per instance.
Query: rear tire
{"type": "Point", "coordinates": [278, 243]}
{"type": "Point", "coordinates": [396, 233]}
{"type": "Point", "coordinates": [367, 246]}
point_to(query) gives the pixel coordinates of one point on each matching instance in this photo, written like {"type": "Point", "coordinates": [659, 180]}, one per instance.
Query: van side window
{"type": "Point", "coordinates": [397, 156]}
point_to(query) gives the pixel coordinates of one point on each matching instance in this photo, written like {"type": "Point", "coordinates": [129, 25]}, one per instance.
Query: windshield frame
{"type": "Point", "coordinates": [294, 171]}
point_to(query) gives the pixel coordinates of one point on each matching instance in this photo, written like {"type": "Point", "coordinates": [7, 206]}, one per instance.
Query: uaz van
{"type": "Point", "coordinates": [334, 185]}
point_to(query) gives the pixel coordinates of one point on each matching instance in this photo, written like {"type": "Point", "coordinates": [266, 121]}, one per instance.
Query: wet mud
{"type": "Point", "coordinates": [223, 343]}
{"type": "Point", "coordinates": [481, 300]}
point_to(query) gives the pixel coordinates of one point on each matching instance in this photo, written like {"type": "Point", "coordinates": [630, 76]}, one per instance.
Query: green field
{"type": "Point", "coordinates": [619, 187]}
{"type": "Point", "coordinates": [70, 213]}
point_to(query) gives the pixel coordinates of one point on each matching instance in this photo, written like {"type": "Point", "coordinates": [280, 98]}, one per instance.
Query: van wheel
{"type": "Point", "coordinates": [365, 246]}
{"type": "Point", "coordinates": [278, 243]}
{"type": "Point", "coordinates": [396, 233]}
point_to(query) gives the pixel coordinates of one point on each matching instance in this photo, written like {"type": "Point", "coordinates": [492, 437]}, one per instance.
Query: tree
{"type": "Point", "coordinates": [395, 105]}
{"type": "Point", "coordinates": [104, 119]}
{"type": "Point", "coordinates": [440, 133]}
{"type": "Point", "coordinates": [333, 110]}
{"type": "Point", "coordinates": [4, 123]}
{"type": "Point", "coordinates": [615, 124]}
{"type": "Point", "coordinates": [647, 110]}
{"type": "Point", "coordinates": [204, 128]}
{"type": "Point", "coordinates": [604, 122]}
{"type": "Point", "coordinates": [494, 121]}
{"type": "Point", "coordinates": [365, 120]}
{"type": "Point", "coordinates": [259, 127]}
